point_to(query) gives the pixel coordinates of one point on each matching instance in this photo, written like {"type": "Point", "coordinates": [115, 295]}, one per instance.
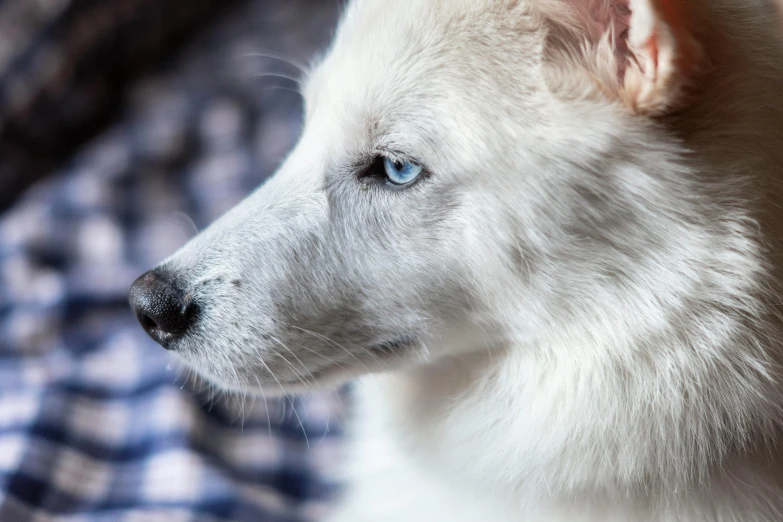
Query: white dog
{"type": "Point", "coordinates": [551, 230]}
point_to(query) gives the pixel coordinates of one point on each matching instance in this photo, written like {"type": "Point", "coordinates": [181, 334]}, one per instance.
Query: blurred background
{"type": "Point", "coordinates": [125, 127]}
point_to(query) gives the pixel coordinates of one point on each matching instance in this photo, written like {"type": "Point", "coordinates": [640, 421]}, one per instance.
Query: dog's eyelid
{"type": "Point", "coordinates": [396, 155]}
{"type": "Point", "coordinates": [393, 154]}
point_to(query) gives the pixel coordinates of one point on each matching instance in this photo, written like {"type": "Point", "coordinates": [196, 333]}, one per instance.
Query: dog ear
{"type": "Point", "coordinates": [644, 52]}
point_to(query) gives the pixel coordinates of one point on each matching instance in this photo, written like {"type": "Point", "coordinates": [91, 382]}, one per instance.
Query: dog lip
{"type": "Point", "coordinates": [162, 338]}
{"type": "Point", "coordinates": [394, 345]}
{"type": "Point", "coordinates": [386, 348]}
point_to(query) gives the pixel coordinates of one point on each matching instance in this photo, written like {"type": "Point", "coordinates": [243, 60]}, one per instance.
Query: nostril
{"type": "Point", "coordinates": [146, 322]}
{"type": "Point", "coordinates": [161, 307]}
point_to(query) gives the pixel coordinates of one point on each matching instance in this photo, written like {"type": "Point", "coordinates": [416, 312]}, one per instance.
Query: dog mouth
{"type": "Point", "coordinates": [395, 347]}
{"type": "Point", "coordinates": [375, 358]}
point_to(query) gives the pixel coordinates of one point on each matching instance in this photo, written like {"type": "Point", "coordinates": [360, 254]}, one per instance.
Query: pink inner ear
{"type": "Point", "coordinates": [601, 17]}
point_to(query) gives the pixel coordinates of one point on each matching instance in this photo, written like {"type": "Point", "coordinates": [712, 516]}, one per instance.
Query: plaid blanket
{"type": "Point", "coordinates": [97, 423]}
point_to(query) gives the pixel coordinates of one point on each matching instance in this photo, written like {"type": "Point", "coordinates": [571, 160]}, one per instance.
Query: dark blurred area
{"type": "Point", "coordinates": [125, 127]}
{"type": "Point", "coordinates": [66, 65]}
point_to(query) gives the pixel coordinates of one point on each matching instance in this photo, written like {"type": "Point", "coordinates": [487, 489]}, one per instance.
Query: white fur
{"type": "Point", "coordinates": [592, 286]}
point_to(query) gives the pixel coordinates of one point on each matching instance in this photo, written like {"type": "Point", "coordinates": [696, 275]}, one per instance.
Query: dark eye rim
{"type": "Point", "coordinates": [375, 172]}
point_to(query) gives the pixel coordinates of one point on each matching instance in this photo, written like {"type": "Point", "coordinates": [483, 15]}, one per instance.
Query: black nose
{"type": "Point", "coordinates": [164, 310]}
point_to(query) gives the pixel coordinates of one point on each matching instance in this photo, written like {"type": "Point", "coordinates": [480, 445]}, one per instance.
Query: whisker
{"type": "Point", "coordinates": [304, 432]}
{"type": "Point", "coordinates": [187, 376]}
{"type": "Point", "coordinates": [301, 424]}
{"type": "Point", "coordinates": [277, 56]}
{"type": "Point", "coordinates": [324, 357]}
{"type": "Point", "coordinates": [334, 343]}
{"type": "Point", "coordinates": [281, 343]}
{"type": "Point", "coordinates": [212, 393]}
{"type": "Point", "coordinates": [298, 375]}
{"type": "Point", "coordinates": [266, 404]}
{"type": "Point", "coordinates": [188, 221]}
{"type": "Point", "coordinates": [277, 75]}
{"type": "Point", "coordinates": [280, 88]}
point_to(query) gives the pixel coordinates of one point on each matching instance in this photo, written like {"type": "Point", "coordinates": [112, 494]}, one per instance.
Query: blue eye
{"type": "Point", "coordinates": [401, 172]}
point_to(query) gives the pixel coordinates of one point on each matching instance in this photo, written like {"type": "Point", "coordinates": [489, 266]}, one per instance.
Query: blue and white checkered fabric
{"type": "Point", "coordinates": [97, 423]}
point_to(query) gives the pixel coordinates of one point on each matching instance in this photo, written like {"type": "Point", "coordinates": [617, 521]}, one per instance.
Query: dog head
{"type": "Point", "coordinates": [471, 174]}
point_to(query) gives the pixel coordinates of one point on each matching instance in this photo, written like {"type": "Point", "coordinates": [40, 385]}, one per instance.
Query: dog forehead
{"type": "Point", "coordinates": [380, 54]}
{"type": "Point", "coordinates": [420, 58]}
